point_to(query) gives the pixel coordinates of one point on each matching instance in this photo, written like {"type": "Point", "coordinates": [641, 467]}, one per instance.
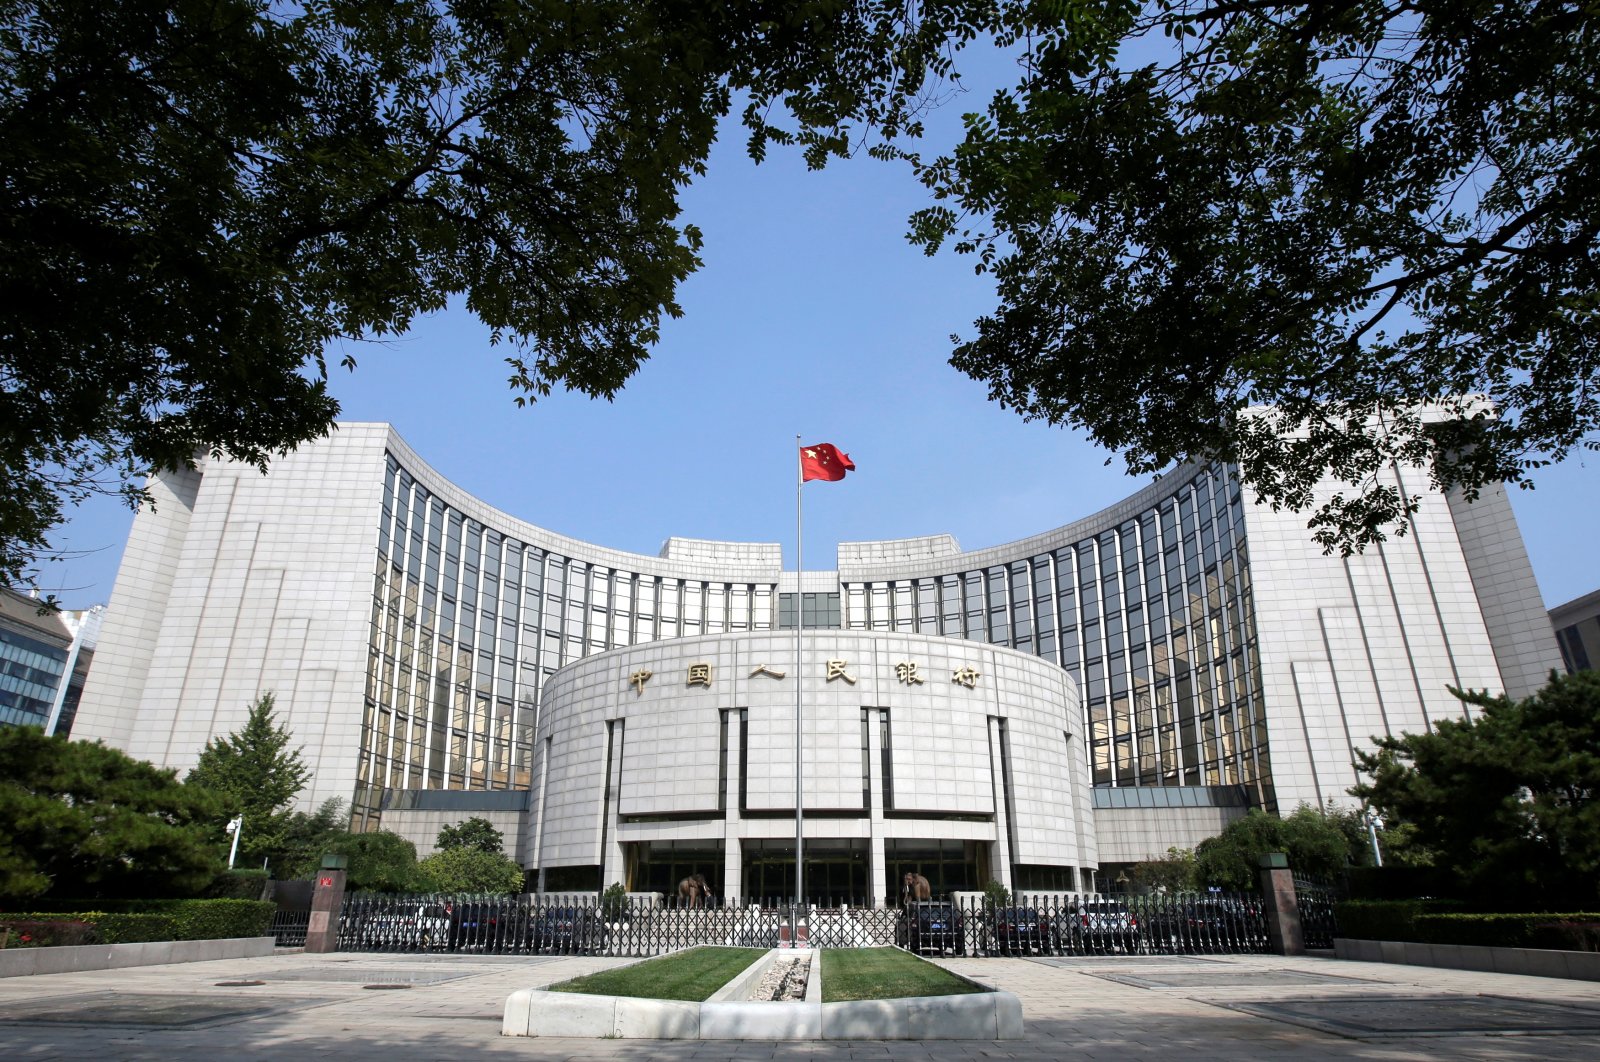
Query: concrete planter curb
{"type": "Point", "coordinates": [986, 1015]}
{"type": "Point", "coordinates": [23, 962]}
{"type": "Point", "coordinates": [1573, 965]}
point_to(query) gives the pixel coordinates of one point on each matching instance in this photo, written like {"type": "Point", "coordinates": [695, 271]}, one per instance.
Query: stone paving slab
{"type": "Point", "coordinates": [364, 974]}
{"type": "Point", "coordinates": [1076, 962]}
{"type": "Point", "coordinates": [1069, 1013]}
{"type": "Point", "coordinates": [1432, 1016]}
{"type": "Point", "coordinates": [145, 1009]}
{"type": "Point", "coordinates": [1233, 978]}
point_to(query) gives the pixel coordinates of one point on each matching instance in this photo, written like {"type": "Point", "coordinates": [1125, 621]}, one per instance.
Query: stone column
{"type": "Point", "coordinates": [327, 903]}
{"type": "Point", "coordinates": [877, 863]}
{"type": "Point", "coordinates": [1282, 908]}
{"type": "Point", "coordinates": [732, 867]}
{"type": "Point", "coordinates": [732, 823]}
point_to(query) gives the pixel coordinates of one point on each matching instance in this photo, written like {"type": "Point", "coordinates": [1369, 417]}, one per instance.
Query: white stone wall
{"type": "Point", "coordinates": [1133, 835]}
{"type": "Point", "coordinates": [1361, 646]}
{"type": "Point", "coordinates": [1506, 590]}
{"type": "Point", "coordinates": [664, 741]}
{"type": "Point", "coordinates": [109, 707]}
{"type": "Point", "coordinates": [421, 827]}
{"type": "Point", "coordinates": [268, 589]}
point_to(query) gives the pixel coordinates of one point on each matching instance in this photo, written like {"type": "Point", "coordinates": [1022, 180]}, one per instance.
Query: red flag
{"type": "Point", "coordinates": [824, 461]}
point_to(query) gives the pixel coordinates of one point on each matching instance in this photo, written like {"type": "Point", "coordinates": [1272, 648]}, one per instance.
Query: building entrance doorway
{"type": "Point", "coordinates": [658, 866]}
{"type": "Point", "coordinates": [949, 866]}
{"type": "Point", "coordinates": [837, 871]}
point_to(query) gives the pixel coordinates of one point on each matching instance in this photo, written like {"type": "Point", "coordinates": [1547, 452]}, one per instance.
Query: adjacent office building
{"type": "Point", "coordinates": [1577, 627]}
{"type": "Point", "coordinates": [1040, 713]}
{"type": "Point", "coordinates": [44, 659]}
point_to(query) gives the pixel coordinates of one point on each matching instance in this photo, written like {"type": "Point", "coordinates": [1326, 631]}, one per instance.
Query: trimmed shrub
{"type": "Point", "coordinates": [218, 919]}
{"type": "Point", "coordinates": [138, 921]}
{"type": "Point", "coordinates": [1385, 919]}
{"type": "Point", "coordinates": [44, 933]}
{"type": "Point", "coordinates": [1441, 922]}
{"type": "Point", "coordinates": [114, 928]}
{"type": "Point", "coordinates": [1578, 931]}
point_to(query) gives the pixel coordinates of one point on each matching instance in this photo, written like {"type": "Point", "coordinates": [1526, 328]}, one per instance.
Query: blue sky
{"type": "Point", "coordinates": [813, 316]}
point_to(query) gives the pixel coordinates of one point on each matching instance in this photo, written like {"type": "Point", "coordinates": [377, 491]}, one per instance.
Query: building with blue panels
{"type": "Point", "coordinates": [44, 659]}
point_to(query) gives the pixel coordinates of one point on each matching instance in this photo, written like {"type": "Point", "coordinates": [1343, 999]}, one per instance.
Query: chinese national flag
{"type": "Point", "coordinates": [824, 461]}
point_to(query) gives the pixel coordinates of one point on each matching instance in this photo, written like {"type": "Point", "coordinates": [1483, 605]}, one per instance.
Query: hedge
{"type": "Point", "coordinates": [137, 921]}
{"type": "Point", "coordinates": [1575, 931]}
{"type": "Point", "coordinates": [1385, 919]}
{"type": "Point", "coordinates": [1435, 922]}
{"type": "Point", "coordinates": [23, 933]}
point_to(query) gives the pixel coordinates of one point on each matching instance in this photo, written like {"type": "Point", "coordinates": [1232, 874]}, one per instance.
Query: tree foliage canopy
{"type": "Point", "coordinates": [476, 833]}
{"type": "Point", "coordinates": [380, 861]}
{"type": "Point", "coordinates": [1508, 799]}
{"type": "Point", "coordinates": [1358, 215]}
{"type": "Point", "coordinates": [1174, 872]}
{"type": "Point", "coordinates": [1315, 844]}
{"type": "Point", "coordinates": [254, 773]}
{"type": "Point", "coordinates": [199, 197]}
{"type": "Point", "coordinates": [304, 838]}
{"type": "Point", "coordinates": [1343, 212]}
{"type": "Point", "coordinates": [472, 870]}
{"type": "Point", "coordinates": [80, 820]}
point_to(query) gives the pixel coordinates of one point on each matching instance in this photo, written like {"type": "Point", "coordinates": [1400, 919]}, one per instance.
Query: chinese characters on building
{"type": "Point", "coordinates": [906, 672]}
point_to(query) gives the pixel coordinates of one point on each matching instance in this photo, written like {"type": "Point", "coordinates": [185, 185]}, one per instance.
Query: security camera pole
{"type": "Point", "coordinates": [235, 827]}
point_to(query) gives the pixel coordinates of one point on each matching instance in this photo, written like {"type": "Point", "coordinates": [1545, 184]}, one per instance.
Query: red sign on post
{"type": "Point", "coordinates": [324, 883]}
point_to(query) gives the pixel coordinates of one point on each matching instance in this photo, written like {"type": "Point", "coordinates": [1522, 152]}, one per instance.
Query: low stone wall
{"type": "Point", "coordinates": [21, 962]}
{"type": "Point", "coordinates": [1574, 965]}
{"type": "Point", "coordinates": [987, 1015]}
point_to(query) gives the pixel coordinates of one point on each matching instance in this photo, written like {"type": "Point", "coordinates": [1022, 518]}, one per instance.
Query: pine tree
{"type": "Point", "coordinates": [1508, 800]}
{"type": "Point", "coordinates": [254, 773]}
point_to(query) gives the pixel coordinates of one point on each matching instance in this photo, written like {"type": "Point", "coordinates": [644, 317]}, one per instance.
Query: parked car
{"type": "Point", "coordinates": [1100, 925]}
{"type": "Point", "coordinates": [569, 929]}
{"type": "Point", "coordinates": [1208, 923]}
{"type": "Point", "coordinates": [406, 927]}
{"type": "Point", "coordinates": [931, 925]}
{"type": "Point", "coordinates": [475, 926]}
{"type": "Point", "coordinates": [1020, 929]}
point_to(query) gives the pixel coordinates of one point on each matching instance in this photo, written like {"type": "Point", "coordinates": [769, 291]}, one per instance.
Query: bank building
{"type": "Point", "coordinates": [1041, 713]}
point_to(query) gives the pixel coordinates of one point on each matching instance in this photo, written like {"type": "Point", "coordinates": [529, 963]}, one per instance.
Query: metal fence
{"type": "Point", "coordinates": [1213, 923]}
{"type": "Point", "coordinates": [1318, 925]}
{"type": "Point", "coordinates": [289, 927]}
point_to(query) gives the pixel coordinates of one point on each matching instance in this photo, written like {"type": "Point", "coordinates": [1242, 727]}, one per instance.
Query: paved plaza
{"type": "Point", "coordinates": [389, 1008]}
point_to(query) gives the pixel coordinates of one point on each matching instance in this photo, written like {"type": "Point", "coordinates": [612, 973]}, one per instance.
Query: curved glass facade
{"type": "Point", "coordinates": [1152, 617]}
{"type": "Point", "coordinates": [468, 621]}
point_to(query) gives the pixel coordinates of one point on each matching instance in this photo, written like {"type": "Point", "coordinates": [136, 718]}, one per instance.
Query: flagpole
{"type": "Point", "coordinates": [799, 677]}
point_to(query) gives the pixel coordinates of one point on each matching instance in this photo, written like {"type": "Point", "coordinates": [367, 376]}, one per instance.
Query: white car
{"type": "Point", "coordinates": [407, 926]}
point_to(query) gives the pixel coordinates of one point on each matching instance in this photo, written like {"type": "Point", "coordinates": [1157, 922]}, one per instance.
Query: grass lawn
{"type": "Point", "coordinates": [884, 973]}
{"type": "Point", "coordinates": [689, 975]}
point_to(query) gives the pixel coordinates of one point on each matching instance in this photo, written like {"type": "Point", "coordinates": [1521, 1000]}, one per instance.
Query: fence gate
{"type": "Point", "coordinates": [1065, 925]}
{"type": "Point", "coordinates": [1317, 922]}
